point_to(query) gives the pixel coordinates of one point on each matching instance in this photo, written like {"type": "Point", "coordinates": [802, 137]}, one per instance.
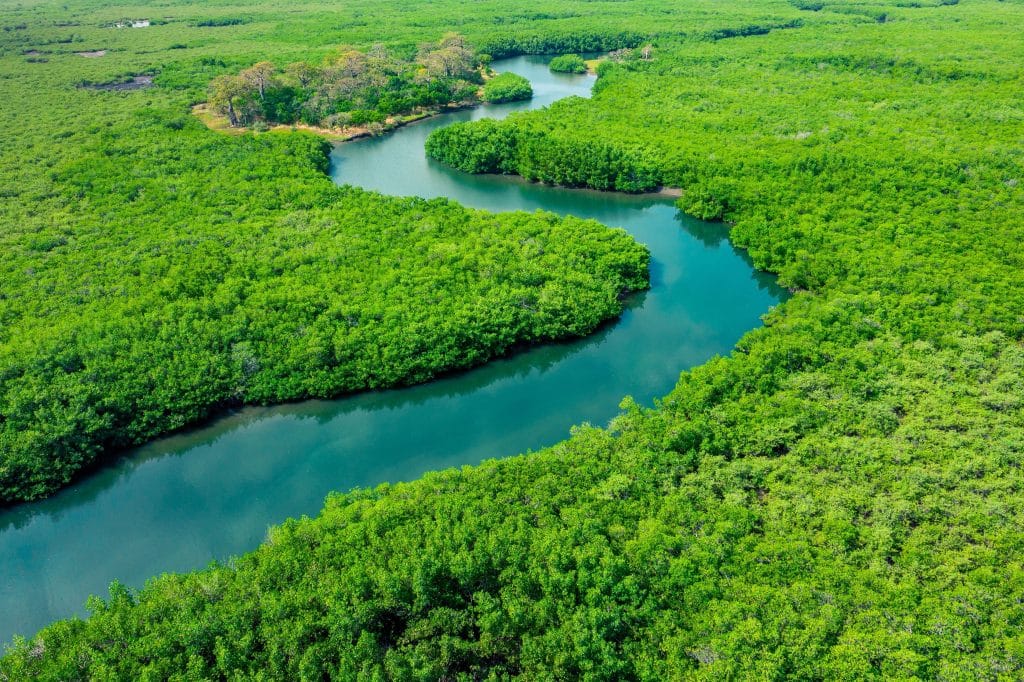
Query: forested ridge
{"type": "Point", "coordinates": [838, 499]}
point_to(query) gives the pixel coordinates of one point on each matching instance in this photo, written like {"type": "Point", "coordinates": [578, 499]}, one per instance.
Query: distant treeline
{"type": "Point", "coordinates": [511, 45]}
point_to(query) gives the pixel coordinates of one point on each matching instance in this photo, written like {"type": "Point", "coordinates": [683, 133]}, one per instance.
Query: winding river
{"type": "Point", "coordinates": [210, 493]}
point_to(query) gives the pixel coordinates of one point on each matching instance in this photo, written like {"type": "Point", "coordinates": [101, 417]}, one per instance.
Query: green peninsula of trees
{"type": "Point", "coordinates": [233, 271]}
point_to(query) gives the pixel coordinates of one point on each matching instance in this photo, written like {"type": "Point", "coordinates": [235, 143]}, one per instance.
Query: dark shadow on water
{"type": "Point", "coordinates": [707, 233]}
{"type": "Point", "coordinates": [714, 235]}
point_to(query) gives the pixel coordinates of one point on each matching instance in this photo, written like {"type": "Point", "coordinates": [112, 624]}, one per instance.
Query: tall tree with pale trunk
{"type": "Point", "coordinates": [259, 75]}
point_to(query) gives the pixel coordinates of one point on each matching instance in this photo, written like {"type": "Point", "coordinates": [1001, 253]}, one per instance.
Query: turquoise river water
{"type": "Point", "coordinates": [209, 493]}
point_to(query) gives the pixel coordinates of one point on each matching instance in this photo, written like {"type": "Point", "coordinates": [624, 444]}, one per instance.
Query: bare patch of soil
{"type": "Point", "coordinates": [93, 54]}
{"type": "Point", "coordinates": [218, 122]}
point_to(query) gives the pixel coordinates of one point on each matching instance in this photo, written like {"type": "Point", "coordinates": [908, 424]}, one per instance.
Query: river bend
{"type": "Point", "coordinates": [211, 492]}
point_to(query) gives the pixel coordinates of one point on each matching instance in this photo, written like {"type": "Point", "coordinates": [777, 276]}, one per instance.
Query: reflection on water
{"type": "Point", "coordinates": [452, 387]}
{"type": "Point", "coordinates": [211, 492]}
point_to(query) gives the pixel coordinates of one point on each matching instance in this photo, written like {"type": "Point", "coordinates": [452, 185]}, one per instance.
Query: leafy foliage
{"type": "Point", "coordinates": [64, 245]}
{"type": "Point", "coordinates": [839, 499]}
{"type": "Point", "coordinates": [185, 272]}
{"type": "Point", "coordinates": [510, 146]}
{"type": "Point", "coordinates": [350, 87]}
{"type": "Point", "coordinates": [568, 63]}
{"type": "Point", "coordinates": [507, 87]}
{"type": "Point", "coordinates": [344, 291]}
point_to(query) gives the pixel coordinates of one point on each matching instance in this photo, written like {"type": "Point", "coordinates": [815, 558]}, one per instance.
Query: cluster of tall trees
{"type": "Point", "coordinates": [351, 87]}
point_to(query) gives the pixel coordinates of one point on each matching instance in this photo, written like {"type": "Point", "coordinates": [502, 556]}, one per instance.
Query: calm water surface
{"type": "Point", "coordinates": [210, 493]}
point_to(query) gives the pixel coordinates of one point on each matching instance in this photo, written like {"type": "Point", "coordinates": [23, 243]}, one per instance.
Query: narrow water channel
{"type": "Point", "coordinates": [210, 493]}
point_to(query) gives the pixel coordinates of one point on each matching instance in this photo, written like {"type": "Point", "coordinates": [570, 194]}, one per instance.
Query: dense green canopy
{"type": "Point", "coordinates": [350, 87]}
{"type": "Point", "coordinates": [507, 87]}
{"type": "Point", "coordinates": [508, 146]}
{"type": "Point", "coordinates": [840, 499]}
{"type": "Point", "coordinates": [568, 63]}
{"type": "Point", "coordinates": [155, 272]}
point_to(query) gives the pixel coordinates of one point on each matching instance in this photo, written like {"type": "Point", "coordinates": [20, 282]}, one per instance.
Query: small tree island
{"type": "Point", "coordinates": [568, 63]}
{"type": "Point", "coordinates": [507, 87]}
